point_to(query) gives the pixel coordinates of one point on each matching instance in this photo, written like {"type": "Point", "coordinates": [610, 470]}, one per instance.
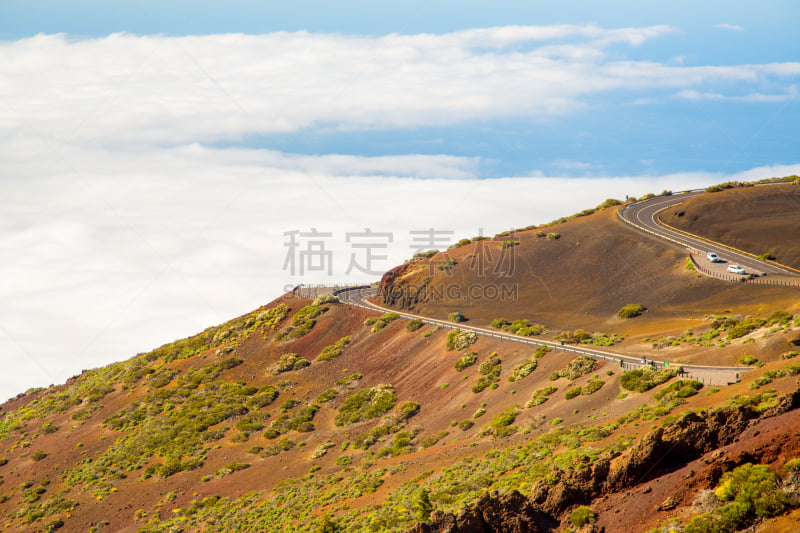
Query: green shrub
{"type": "Point", "coordinates": [303, 321]}
{"type": "Point", "coordinates": [645, 378]}
{"type": "Point", "coordinates": [501, 425]}
{"type": "Point", "coordinates": [522, 370]}
{"type": "Point", "coordinates": [576, 368]}
{"type": "Point", "coordinates": [38, 455]}
{"type": "Point", "coordinates": [541, 351]}
{"type": "Point", "coordinates": [508, 244]}
{"type": "Point", "coordinates": [592, 387]}
{"type": "Point", "coordinates": [288, 362]}
{"type": "Point", "coordinates": [573, 393]}
{"type": "Point", "coordinates": [327, 395]}
{"type": "Point", "coordinates": [460, 340]}
{"type": "Point", "coordinates": [553, 235]}
{"type": "Point", "coordinates": [446, 264]}
{"type": "Point", "coordinates": [779, 317]}
{"type": "Point", "coordinates": [755, 488]}
{"type": "Point", "coordinates": [490, 373]}
{"type": "Point", "coordinates": [582, 516]}
{"type": "Point", "coordinates": [466, 360]}
{"type": "Point", "coordinates": [384, 321]}
{"type": "Point", "coordinates": [682, 388]}
{"type": "Point", "coordinates": [744, 327]}
{"type": "Point", "coordinates": [464, 425]}
{"type": "Point", "coordinates": [430, 440]}
{"type": "Point", "coordinates": [414, 325]}
{"type": "Point", "coordinates": [767, 256]}
{"type": "Point", "coordinates": [630, 311]}
{"type": "Point", "coordinates": [231, 467]}
{"type": "Point", "coordinates": [366, 404]}
{"type": "Point", "coordinates": [540, 396]}
{"type": "Point", "coordinates": [499, 323]}
{"type": "Point", "coordinates": [334, 350]}
{"type": "Point", "coordinates": [747, 360]}
{"type": "Point", "coordinates": [325, 299]}
{"type": "Point", "coordinates": [521, 327]}
{"type": "Point", "coordinates": [456, 317]}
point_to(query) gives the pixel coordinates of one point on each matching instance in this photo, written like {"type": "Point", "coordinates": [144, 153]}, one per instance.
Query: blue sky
{"type": "Point", "coordinates": [612, 133]}
{"type": "Point", "coordinates": [155, 154]}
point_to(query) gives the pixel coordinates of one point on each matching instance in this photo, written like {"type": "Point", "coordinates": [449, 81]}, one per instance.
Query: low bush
{"type": "Point", "coordinates": [747, 360]}
{"type": "Point", "coordinates": [327, 395]}
{"type": "Point", "coordinates": [430, 440]}
{"type": "Point", "coordinates": [456, 317]}
{"type": "Point", "coordinates": [288, 362]}
{"type": "Point", "coordinates": [744, 327]}
{"type": "Point", "coordinates": [384, 321]}
{"type": "Point", "coordinates": [464, 425]}
{"type": "Point", "coordinates": [38, 455]}
{"type": "Point", "coordinates": [303, 321]}
{"type": "Point", "coordinates": [553, 235]}
{"type": "Point", "coordinates": [645, 378]}
{"type": "Point", "coordinates": [460, 340]}
{"type": "Point", "coordinates": [232, 467]}
{"type": "Point", "coordinates": [679, 389]}
{"type": "Point", "coordinates": [541, 351]}
{"type": "Point", "coordinates": [582, 516]}
{"type": "Point", "coordinates": [414, 325]}
{"type": "Point", "coordinates": [573, 393]}
{"type": "Point", "coordinates": [323, 299]}
{"type": "Point", "coordinates": [630, 311]}
{"type": "Point", "coordinates": [366, 404]}
{"type": "Point", "coordinates": [466, 360]}
{"type": "Point", "coordinates": [540, 396]}
{"type": "Point", "coordinates": [501, 425]}
{"type": "Point", "coordinates": [334, 350]}
{"type": "Point", "coordinates": [592, 387]}
{"type": "Point", "coordinates": [490, 373]}
{"type": "Point", "coordinates": [523, 369]}
{"type": "Point", "coordinates": [576, 368]}
{"type": "Point", "coordinates": [779, 317]}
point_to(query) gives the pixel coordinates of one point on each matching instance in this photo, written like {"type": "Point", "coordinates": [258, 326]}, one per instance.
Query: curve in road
{"type": "Point", "coordinates": [643, 215]}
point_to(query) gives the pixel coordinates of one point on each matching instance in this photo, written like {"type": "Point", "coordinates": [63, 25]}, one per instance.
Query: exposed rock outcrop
{"type": "Point", "coordinates": [510, 513]}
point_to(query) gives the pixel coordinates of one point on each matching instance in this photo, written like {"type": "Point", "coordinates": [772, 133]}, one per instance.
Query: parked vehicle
{"type": "Point", "coordinates": [736, 269]}
{"type": "Point", "coordinates": [714, 258]}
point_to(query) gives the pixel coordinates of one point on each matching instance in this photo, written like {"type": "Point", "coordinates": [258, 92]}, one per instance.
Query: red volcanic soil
{"type": "Point", "coordinates": [580, 280]}
{"type": "Point", "coordinates": [754, 219]}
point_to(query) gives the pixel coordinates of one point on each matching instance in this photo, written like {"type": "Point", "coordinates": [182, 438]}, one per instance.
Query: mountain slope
{"type": "Point", "coordinates": [318, 416]}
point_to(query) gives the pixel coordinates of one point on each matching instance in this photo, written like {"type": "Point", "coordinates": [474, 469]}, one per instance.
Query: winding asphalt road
{"type": "Point", "coordinates": [709, 375]}
{"type": "Point", "coordinates": [643, 214]}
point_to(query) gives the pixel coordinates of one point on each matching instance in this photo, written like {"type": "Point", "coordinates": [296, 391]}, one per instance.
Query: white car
{"type": "Point", "coordinates": [736, 269]}
{"type": "Point", "coordinates": [714, 258]}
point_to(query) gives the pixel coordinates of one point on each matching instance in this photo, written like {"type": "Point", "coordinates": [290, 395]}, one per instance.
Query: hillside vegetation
{"type": "Point", "coordinates": [316, 416]}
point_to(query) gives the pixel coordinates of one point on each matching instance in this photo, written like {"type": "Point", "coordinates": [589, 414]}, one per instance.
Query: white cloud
{"type": "Point", "coordinates": [113, 253]}
{"type": "Point", "coordinates": [791, 93]}
{"type": "Point", "coordinates": [123, 229]}
{"type": "Point", "coordinates": [157, 90]}
{"type": "Point", "coordinates": [733, 27]}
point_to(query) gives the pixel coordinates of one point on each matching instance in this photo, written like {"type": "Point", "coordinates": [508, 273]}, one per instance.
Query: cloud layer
{"type": "Point", "coordinates": [144, 90]}
{"type": "Point", "coordinates": [136, 210]}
